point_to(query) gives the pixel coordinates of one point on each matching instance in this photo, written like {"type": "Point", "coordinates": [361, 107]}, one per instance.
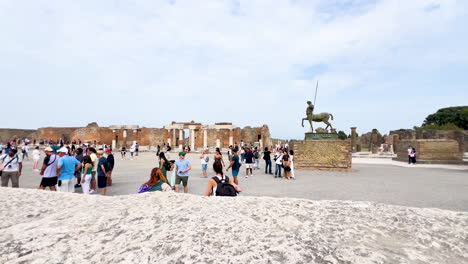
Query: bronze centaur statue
{"type": "Point", "coordinates": [322, 117]}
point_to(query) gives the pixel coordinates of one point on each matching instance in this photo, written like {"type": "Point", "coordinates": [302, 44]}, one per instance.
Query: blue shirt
{"type": "Point", "coordinates": [182, 165]}
{"type": "Point", "coordinates": [67, 171]}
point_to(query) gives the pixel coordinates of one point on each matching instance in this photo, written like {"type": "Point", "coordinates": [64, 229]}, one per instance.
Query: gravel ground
{"type": "Point", "coordinates": [418, 186]}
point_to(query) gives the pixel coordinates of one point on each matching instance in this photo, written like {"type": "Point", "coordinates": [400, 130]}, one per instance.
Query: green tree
{"type": "Point", "coordinates": [342, 135]}
{"type": "Point", "coordinates": [447, 118]}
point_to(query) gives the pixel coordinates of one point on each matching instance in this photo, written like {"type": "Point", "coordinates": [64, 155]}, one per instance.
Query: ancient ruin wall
{"type": "Point", "coordinates": [461, 136]}
{"type": "Point", "coordinates": [443, 151]}
{"type": "Point", "coordinates": [7, 134]}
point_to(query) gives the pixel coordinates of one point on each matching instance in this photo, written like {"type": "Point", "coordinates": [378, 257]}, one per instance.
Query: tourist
{"type": "Point", "coordinates": [413, 156]}
{"type": "Point", "coordinates": [111, 163]}
{"type": "Point", "coordinates": [79, 156]}
{"type": "Point", "coordinates": [102, 172]}
{"type": "Point", "coordinates": [66, 167]}
{"type": "Point", "coordinates": [1, 148]}
{"type": "Point", "coordinates": [137, 148]}
{"type": "Point", "coordinates": [164, 164]}
{"type": "Point", "coordinates": [257, 158]}
{"type": "Point", "coordinates": [229, 153]}
{"type": "Point", "coordinates": [25, 151]}
{"type": "Point", "coordinates": [158, 150]}
{"type": "Point", "coordinates": [132, 151]}
{"type": "Point", "coordinates": [123, 152]}
{"type": "Point", "coordinates": [87, 174]}
{"type": "Point", "coordinates": [36, 156]}
{"type": "Point", "coordinates": [278, 162]}
{"type": "Point", "coordinates": [204, 159]}
{"type": "Point", "coordinates": [7, 148]}
{"type": "Point", "coordinates": [291, 164]}
{"type": "Point", "coordinates": [12, 167]}
{"type": "Point", "coordinates": [410, 150]}
{"type": "Point", "coordinates": [235, 165]}
{"type": "Point", "coordinates": [242, 153]}
{"type": "Point", "coordinates": [49, 170]}
{"type": "Point", "coordinates": [249, 161]}
{"type": "Point", "coordinates": [218, 157]}
{"type": "Point", "coordinates": [92, 154]}
{"type": "Point", "coordinates": [267, 158]}
{"type": "Point", "coordinates": [286, 165]}
{"type": "Point", "coordinates": [214, 188]}
{"type": "Point", "coordinates": [157, 182]}
{"type": "Point", "coordinates": [183, 166]}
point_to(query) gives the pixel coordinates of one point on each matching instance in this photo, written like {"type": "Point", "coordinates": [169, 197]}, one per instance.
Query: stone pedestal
{"type": "Point", "coordinates": [320, 136]}
{"type": "Point", "coordinates": [322, 154]}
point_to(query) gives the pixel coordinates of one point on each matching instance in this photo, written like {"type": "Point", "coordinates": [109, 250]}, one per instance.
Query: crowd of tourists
{"type": "Point", "coordinates": [64, 168]}
{"type": "Point", "coordinates": [170, 174]}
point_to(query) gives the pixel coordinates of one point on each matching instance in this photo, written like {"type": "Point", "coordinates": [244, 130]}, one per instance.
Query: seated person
{"type": "Point", "coordinates": [212, 188]}
{"type": "Point", "coordinates": [157, 182]}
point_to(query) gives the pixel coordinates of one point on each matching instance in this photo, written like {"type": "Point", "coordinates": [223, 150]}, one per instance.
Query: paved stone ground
{"type": "Point", "coordinates": [409, 186]}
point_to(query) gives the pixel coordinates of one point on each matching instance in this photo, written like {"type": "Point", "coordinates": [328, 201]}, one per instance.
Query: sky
{"type": "Point", "coordinates": [380, 64]}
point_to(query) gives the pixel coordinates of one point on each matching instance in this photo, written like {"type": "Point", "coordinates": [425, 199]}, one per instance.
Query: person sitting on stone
{"type": "Point", "coordinates": [157, 182]}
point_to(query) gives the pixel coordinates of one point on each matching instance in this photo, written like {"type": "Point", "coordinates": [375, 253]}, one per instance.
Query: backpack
{"type": "Point", "coordinates": [224, 188]}
{"type": "Point", "coordinates": [257, 154]}
{"type": "Point", "coordinates": [167, 165]}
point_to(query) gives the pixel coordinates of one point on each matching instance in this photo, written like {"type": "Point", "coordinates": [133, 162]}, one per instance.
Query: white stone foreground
{"type": "Point", "coordinates": [49, 227]}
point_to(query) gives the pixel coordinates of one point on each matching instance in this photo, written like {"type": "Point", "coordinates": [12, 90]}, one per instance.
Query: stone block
{"type": "Point", "coordinates": [436, 151]}
{"type": "Point", "coordinates": [322, 154]}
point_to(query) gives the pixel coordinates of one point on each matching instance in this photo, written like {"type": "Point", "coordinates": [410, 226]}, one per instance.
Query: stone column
{"type": "Point", "coordinates": [135, 136]}
{"type": "Point", "coordinates": [181, 139]}
{"type": "Point", "coordinates": [260, 141]}
{"type": "Point", "coordinates": [353, 139]}
{"type": "Point", "coordinates": [192, 139]}
{"type": "Point", "coordinates": [169, 140]}
{"type": "Point", "coordinates": [114, 142]}
{"type": "Point", "coordinates": [173, 137]}
{"type": "Point", "coordinates": [218, 141]}
{"type": "Point", "coordinates": [125, 137]}
{"type": "Point", "coordinates": [205, 138]}
{"type": "Point", "coordinates": [231, 138]}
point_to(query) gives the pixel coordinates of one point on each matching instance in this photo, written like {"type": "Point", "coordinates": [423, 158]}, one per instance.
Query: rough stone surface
{"type": "Point", "coordinates": [431, 150]}
{"type": "Point", "coordinates": [322, 154]}
{"type": "Point", "coordinates": [49, 227]}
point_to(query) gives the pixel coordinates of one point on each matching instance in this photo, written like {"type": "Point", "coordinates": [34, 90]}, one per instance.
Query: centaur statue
{"type": "Point", "coordinates": [322, 117]}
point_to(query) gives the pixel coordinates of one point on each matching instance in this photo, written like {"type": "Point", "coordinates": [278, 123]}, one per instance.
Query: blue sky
{"type": "Point", "coordinates": [381, 64]}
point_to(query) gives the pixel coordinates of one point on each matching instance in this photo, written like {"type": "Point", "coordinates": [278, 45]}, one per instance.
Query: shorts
{"type": "Point", "coordinates": [248, 165]}
{"type": "Point", "coordinates": [183, 179]}
{"type": "Point", "coordinates": [47, 182]}
{"type": "Point", "coordinates": [102, 181]}
{"type": "Point", "coordinates": [235, 173]}
{"type": "Point", "coordinates": [204, 167]}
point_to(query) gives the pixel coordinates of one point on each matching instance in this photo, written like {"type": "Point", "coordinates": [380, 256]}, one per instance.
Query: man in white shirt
{"type": "Point", "coordinates": [12, 166]}
{"type": "Point", "coordinates": [278, 163]}
{"type": "Point", "coordinates": [410, 149]}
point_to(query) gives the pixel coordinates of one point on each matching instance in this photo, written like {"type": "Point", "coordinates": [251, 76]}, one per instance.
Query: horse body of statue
{"type": "Point", "coordinates": [322, 117]}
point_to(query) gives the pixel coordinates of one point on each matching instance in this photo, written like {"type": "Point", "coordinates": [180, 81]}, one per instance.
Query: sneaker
{"type": "Point", "coordinates": [246, 176]}
{"type": "Point", "coordinates": [77, 185]}
{"type": "Point", "coordinates": [91, 191]}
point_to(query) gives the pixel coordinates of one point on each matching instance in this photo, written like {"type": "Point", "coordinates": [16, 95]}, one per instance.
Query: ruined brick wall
{"type": "Point", "coordinates": [461, 136]}
{"type": "Point", "coordinates": [444, 151]}
{"type": "Point", "coordinates": [322, 154]}
{"type": "Point", "coordinates": [55, 133]}
{"type": "Point", "coordinates": [151, 136]}
{"type": "Point", "coordinates": [7, 134]}
{"type": "Point", "coordinates": [251, 134]}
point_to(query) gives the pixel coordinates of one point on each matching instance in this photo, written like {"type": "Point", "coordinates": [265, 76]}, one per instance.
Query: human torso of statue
{"type": "Point", "coordinates": [310, 110]}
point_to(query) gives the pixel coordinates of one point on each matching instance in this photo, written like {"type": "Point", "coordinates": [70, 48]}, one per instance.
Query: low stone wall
{"type": "Point", "coordinates": [436, 151]}
{"type": "Point", "coordinates": [322, 154]}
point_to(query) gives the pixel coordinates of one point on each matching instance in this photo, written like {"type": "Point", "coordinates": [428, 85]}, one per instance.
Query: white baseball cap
{"type": "Point", "coordinates": [63, 150]}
